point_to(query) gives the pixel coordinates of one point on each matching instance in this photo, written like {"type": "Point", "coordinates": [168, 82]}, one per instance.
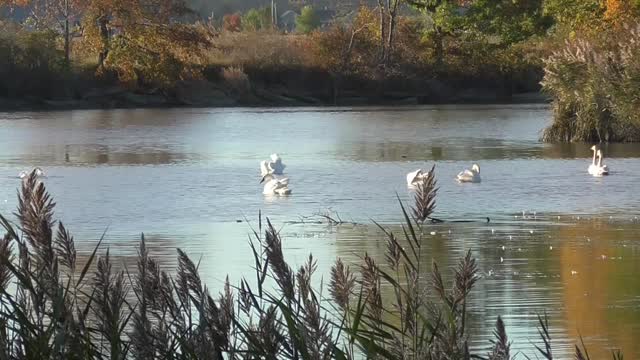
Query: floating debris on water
{"type": "Point", "coordinates": [503, 248]}
{"type": "Point", "coordinates": [433, 233]}
{"type": "Point", "coordinates": [501, 259]}
{"type": "Point", "coordinates": [550, 247]}
{"type": "Point", "coordinates": [573, 272]}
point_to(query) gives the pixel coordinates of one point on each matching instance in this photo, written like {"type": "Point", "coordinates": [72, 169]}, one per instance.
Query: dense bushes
{"type": "Point", "coordinates": [595, 83]}
{"type": "Point", "coordinates": [31, 63]}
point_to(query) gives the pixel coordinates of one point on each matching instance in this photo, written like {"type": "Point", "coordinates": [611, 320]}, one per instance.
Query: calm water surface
{"type": "Point", "coordinates": [186, 177]}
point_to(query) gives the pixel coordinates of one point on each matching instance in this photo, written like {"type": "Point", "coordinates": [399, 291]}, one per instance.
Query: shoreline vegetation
{"type": "Point", "coordinates": [581, 55]}
{"type": "Point", "coordinates": [56, 306]}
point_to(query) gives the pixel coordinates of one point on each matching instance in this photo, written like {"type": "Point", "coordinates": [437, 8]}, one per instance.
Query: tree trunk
{"type": "Point", "coordinates": [439, 47]}
{"type": "Point", "coordinates": [104, 35]}
{"type": "Point", "coordinates": [393, 10]}
{"type": "Point", "coordinates": [67, 35]}
{"type": "Point", "coordinates": [382, 10]}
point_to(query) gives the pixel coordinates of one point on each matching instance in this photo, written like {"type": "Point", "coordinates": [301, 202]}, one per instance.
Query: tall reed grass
{"type": "Point", "coordinates": [594, 82]}
{"type": "Point", "coordinates": [53, 308]}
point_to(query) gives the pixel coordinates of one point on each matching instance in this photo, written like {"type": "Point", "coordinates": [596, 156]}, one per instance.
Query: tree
{"type": "Point", "coordinates": [574, 14]}
{"type": "Point", "coordinates": [142, 41]}
{"type": "Point", "coordinates": [511, 20]}
{"type": "Point", "coordinates": [51, 15]}
{"type": "Point", "coordinates": [257, 19]}
{"type": "Point", "coordinates": [252, 20]}
{"type": "Point", "coordinates": [308, 20]}
{"type": "Point", "coordinates": [445, 16]}
{"type": "Point", "coordinates": [232, 22]}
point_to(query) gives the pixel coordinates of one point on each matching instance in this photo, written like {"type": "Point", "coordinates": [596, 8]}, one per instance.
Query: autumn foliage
{"type": "Point", "coordinates": [232, 22]}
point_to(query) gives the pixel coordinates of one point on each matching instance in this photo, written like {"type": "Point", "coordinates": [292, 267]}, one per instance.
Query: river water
{"type": "Point", "coordinates": [188, 178]}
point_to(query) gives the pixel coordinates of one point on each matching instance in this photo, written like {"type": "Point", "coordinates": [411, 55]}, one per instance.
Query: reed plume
{"type": "Point", "coordinates": [65, 248]}
{"type": "Point", "coordinates": [425, 197]}
{"type": "Point", "coordinates": [501, 344]}
{"type": "Point", "coordinates": [342, 284]}
{"type": "Point", "coordinates": [280, 269]}
{"type": "Point", "coordinates": [6, 258]}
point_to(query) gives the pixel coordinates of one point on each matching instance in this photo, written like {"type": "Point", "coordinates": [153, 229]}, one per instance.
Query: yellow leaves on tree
{"type": "Point", "coordinates": [143, 41]}
{"type": "Point", "coordinates": [614, 8]}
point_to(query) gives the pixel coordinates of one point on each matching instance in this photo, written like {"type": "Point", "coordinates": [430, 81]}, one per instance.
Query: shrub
{"type": "Point", "coordinates": [237, 81]}
{"type": "Point", "coordinates": [594, 82]}
{"type": "Point", "coordinates": [30, 62]}
{"type": "Point", "coordinates": [257, 19]}
{"type": "Point", "coordinates": [307, 21]}
{"type": "Point", "coordinates": [232, 22]}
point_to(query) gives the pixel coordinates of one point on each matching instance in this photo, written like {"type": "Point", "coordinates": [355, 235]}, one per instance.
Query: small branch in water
{"type": "Point", "coordinates": [334, 220]}
{"type": "Point", "coordinates": [439, 221]}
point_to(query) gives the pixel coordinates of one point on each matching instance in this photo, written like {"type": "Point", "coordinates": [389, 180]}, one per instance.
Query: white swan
{"type": "Point", "coordinates": [274, 186]}
{"type": "Point", "coordinates": [414, 178]}
{"type": "Point", "coordinates": [601, 169]}
{"type": "Point", "coordinates": [273, 166]}
{"type": "Point", "coordinates": [593, 168]}
{"type": "Point", "coordinates": [472, 176]}
{"type": "Point", "coordinates": [25, 174]}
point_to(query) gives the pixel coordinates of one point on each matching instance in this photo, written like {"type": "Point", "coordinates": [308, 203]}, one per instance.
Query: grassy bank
{"type": "Point", "coordinates": [415, 52]}
{"type": "Point", "coordinates": [56, 306]}
{"type": "Point", "coordinates": [337, 66]}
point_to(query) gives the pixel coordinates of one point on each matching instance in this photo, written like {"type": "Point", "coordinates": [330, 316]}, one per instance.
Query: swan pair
{"type": "Point", "coordinates": [273, 166]}
{"type": "Point", "coordinates": [472, 175]}
{"type": "Point", "coordinates": [24, 174]}
{"type": "Point", "coordinates": [272, 184]}
{"type": "Point", "coordinates": [597, 169]}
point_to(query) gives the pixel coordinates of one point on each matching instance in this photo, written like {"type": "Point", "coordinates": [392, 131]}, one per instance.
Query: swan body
{"type": "Point", "coordinates": [272, 166]}
{"type": "Point", "coordinates": [275, 186]}
{"type": "Point", "coordinates": [416, 177]}
{"type": "Point", "coordinates": [24, 174]}
{"type": "Point", "coordinates": [265, 168]}
{"type": "Point", "coordinates": [470, 175]}
{"type": "Point", "coordinates": [600, 169]}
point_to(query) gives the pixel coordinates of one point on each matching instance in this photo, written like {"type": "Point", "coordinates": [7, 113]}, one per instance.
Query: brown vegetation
{"type": "Point", "coordinates": [594, 81]}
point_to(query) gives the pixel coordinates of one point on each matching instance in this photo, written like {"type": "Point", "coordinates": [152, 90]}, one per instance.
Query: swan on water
{"type": "Point", "coordinates": [472, 176]}
{"type": "Point", "coordinates": [272, 166]}
{"type": "Point", "coordinates": [415, 178]}
{"type": "Point", "coordinates": [275, 186]}
{"type": "Point", "coordinates": [25, 174]}
{"type": "Point", "coordinates": [600, 168]}
{"type": "Point", "coordinates": [593, 168]}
